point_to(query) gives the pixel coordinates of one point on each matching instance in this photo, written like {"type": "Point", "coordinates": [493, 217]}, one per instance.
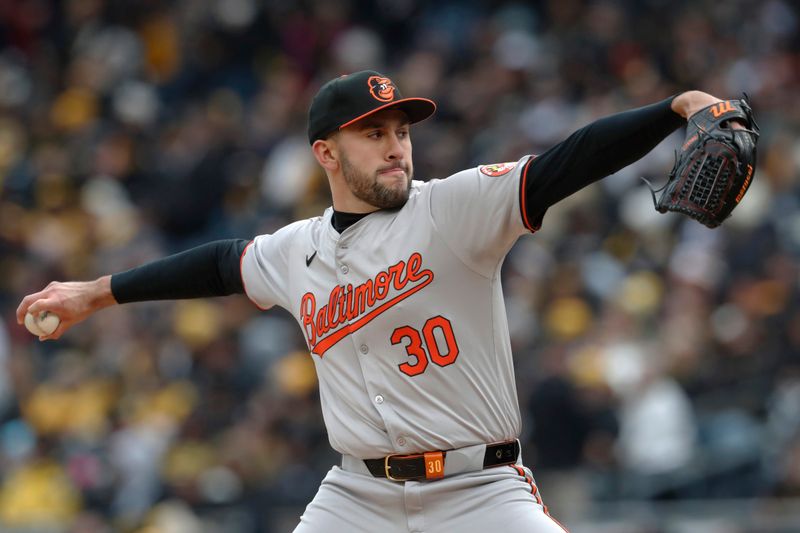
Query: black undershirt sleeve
{"type": "Point", "coordinates": [594, 152]}
{"type": "Point", "coordinates": [208, 270]}
{"type": "Point", "coordinates": [589, 154]}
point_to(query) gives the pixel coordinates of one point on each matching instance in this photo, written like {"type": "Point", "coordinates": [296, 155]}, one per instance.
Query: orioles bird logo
{"type": "Point", "coordinates": [498, 169]}
{"type": "Point", "coordinates": [381, 88]}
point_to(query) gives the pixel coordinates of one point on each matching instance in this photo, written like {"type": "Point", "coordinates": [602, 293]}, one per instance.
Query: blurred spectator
{"type": "Point", "coordinates": [657, 426]}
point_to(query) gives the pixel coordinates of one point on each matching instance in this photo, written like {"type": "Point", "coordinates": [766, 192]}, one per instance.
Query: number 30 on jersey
{"type": "Point", "coordinates": [436, 343]}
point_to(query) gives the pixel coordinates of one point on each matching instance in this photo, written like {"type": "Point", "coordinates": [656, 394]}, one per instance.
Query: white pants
{"type": "Point", "coordinates": [502, 499]}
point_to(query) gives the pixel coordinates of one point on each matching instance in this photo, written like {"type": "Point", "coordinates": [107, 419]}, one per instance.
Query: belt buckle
{"type": "Point", "coordinates": [386, 467]}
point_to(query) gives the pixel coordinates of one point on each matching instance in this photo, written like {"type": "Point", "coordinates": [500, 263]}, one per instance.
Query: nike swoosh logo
{"type": "Point", "coordinates": [309, 259]}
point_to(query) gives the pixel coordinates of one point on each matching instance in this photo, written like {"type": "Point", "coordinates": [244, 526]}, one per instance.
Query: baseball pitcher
{"type": "Point", "coordinates": [396, 288]}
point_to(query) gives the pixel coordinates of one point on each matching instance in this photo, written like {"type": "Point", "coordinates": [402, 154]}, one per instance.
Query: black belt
{"type": "Point", "coordinates": [430, 465]}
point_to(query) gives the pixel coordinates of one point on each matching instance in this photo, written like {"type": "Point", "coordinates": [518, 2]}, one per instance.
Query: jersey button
{"type": "Point", "coordinates": [345, 270]}
{"type": "Point", "coordinates": [364, 348]}
{"type": "Point", "coordinates": [379, 399]}
{"type": "Point", "coordinates": [401, 441]}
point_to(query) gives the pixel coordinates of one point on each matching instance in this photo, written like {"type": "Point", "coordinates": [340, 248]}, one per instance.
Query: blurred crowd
{"type": "Point", "coordinates": [656, 359]}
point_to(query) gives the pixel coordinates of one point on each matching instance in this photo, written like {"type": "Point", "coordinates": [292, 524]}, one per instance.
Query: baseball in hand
{"type": "Point", "coordinates": [43, 324]}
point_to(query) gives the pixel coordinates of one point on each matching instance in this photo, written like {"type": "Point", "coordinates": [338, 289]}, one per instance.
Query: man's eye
{"type": "Point", "coordinates": [402, 134]}
{"type": "Point", "coordinates": [375, 135]}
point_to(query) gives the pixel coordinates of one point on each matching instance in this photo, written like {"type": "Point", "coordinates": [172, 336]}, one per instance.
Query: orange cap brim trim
{"type": "Point", "coordinates": [395, 104]}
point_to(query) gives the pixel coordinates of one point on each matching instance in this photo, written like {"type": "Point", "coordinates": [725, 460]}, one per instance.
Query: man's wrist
{"type": "Point", "coordinates": [688, 103]}
{"type": "Point", "coordinates": [102, 296]}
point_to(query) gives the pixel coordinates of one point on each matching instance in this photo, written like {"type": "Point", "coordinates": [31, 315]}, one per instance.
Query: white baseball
{"type": "Point", "coordinates": [44, 324]}
{"type": "Point", "coordinates": [30, 323]}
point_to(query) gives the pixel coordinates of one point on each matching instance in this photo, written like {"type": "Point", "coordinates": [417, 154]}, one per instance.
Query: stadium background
{"type": "Point", "coordinates": [658, 362]}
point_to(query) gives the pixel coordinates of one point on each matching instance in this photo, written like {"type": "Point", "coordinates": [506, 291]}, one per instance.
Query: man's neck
{"type": "Point", "coordinates": [341, 220]}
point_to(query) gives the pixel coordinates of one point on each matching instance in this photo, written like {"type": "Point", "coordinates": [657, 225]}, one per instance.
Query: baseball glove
{"type": "Point", "coordinates": [715, 165]}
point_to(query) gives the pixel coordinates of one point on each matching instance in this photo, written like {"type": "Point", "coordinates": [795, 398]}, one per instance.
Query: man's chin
{"type": "Point", "coordinates": [389, 197]}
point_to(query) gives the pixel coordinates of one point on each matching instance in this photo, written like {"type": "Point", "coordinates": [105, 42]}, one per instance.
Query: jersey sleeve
{"type": "Point", "coordinates": [480, 213]}
{"type": "Point", "coordinates": [264, 272]}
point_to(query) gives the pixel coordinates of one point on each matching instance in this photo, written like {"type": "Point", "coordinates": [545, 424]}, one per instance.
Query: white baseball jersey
{"type": "Point", "coordinates": [403, 313]}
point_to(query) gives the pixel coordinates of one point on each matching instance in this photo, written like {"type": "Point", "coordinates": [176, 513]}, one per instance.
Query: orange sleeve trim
{"type": "Point", "coordinates": [241, 262]}
{"type": "Point", "coordinates": [522, 207]}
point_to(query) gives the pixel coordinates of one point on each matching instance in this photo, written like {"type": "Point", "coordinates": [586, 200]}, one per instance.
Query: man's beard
{"type": "Point", "coordinates": [368, 189]}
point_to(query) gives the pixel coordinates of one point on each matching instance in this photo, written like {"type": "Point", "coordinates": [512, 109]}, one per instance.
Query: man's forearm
{"type": "Point", "coordinates": [208, 270]}
{"type": "Point", "coordinates": [597, 150]}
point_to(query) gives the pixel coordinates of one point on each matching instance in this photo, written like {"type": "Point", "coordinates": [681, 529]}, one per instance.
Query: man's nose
{"type": "Point", "coordinates": [395, 149]}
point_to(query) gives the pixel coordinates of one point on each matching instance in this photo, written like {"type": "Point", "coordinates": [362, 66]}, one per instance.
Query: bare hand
{"type": "Point", "coordinates": [72, 301]}
{"type": "Point", "coordinates": [688, 103]}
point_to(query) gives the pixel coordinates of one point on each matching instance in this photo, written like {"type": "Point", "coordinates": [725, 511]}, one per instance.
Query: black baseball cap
{"type": "Point", "coordinates": [351, 97]}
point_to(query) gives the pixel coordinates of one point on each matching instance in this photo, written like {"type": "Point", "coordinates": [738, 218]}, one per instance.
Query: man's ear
{"type": "Point", "coordinates": [326, 153]}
